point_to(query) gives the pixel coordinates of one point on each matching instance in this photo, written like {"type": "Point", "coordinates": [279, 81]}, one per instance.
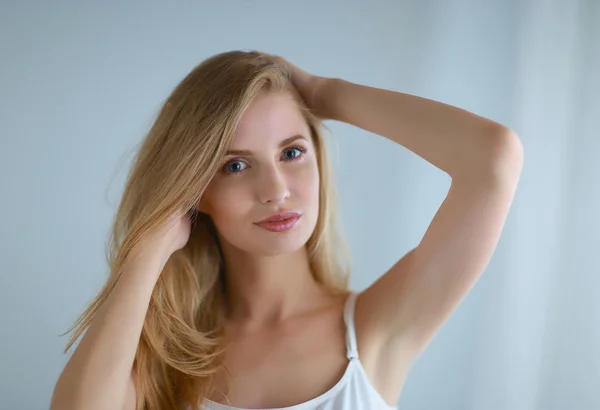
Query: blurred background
{"type": "Point", "coordinates": [81, 82]}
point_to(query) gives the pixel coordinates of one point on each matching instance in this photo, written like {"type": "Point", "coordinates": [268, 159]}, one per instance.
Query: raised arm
{"type": "Point", "coordinates": [410, 302]}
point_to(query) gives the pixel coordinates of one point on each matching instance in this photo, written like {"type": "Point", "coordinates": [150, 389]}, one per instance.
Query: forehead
{"type": "Point", "coordinates": [270, 118]}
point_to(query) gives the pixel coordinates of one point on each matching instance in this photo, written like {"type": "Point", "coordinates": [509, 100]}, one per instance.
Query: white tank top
{"type": "Point", "coordinates": [353, 391]}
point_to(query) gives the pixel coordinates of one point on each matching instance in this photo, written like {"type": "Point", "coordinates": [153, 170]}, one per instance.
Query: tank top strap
{"type": "Point", "coordinates": [351, 346]}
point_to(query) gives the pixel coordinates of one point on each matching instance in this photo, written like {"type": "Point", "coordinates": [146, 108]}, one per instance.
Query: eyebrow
{"type": "Point", "coordinates": [281, 145]}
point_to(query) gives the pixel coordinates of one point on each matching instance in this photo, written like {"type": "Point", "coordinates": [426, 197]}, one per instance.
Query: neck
{"type": "Point", "coordinates": [266, 290]}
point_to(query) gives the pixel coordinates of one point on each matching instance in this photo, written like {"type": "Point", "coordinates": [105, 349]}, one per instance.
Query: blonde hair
{"type": "Point", "coordinates": [180, 347]}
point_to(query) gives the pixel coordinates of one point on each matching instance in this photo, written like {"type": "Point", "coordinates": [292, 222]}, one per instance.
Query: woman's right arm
{"type": "Point", "coordinates": [98, 376]}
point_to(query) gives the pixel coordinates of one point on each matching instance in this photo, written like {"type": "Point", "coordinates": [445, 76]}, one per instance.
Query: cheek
{"type": "Point", "coordinates": [307, 184]}
{"type": "Point", "coordinates": [227, 204]}
{"type": "Point", "coordinates": [315, 185]}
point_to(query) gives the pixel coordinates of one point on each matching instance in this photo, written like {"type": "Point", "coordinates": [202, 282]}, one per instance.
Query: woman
{"type": "Point", "coordinates": [226, 286]}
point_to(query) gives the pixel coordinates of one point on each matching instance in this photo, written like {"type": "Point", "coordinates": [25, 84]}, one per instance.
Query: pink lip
{"type": "Point", "coordinates": [281, 216]}
{"type": "Point", "coordinates": [280, 222]}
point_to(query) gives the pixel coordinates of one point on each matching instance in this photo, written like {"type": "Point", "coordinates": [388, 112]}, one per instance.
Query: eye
{"type": "Point", "coordinates": [237, 166]}
{"type": "Point", "coordinates": [293, 153]}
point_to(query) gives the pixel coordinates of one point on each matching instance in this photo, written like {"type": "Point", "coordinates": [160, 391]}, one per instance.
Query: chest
{"type": "Point", "coordinates": [285, 366]}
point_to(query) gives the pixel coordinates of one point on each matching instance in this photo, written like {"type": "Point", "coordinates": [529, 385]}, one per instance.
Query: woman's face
{"type": "Point", "coordinates": [271, 167]}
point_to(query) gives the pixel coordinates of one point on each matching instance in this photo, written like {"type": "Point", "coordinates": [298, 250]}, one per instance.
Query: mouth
{"type": "Point", "coordinates": [279, 217]}
{"type": "Point", "coordinates": [280, 225]}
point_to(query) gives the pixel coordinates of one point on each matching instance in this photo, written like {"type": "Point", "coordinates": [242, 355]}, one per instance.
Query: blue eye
{"type": "Point", "coordinates": [238, 169]}
{"type": "Point", "coordinates": [234, 167]}
{"type": "Point", "coordinates": [296, 152]}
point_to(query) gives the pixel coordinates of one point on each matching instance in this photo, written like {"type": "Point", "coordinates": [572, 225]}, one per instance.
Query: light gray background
{"type": "Point", "coordinates": [80, 84]}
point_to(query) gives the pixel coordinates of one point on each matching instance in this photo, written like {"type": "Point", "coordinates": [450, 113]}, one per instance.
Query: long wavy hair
{"type": "Point", "coordinates": [181, 344]}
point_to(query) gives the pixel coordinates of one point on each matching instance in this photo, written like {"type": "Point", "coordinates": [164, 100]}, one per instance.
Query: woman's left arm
{"type": "Point", "coordinates": [406, 306]}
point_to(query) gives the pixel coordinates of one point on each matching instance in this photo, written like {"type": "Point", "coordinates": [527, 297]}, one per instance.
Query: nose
{"type": "Point", "coordinates": [272, 187]}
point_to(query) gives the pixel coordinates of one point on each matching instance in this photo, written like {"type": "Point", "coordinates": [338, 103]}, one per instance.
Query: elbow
{"type": "Point", "coordinates": [504, 156]}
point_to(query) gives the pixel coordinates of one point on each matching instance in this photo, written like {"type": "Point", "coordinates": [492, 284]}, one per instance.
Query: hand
{"type": "Point", "coordinates": [308, 85]}
{"type": "Point", "coordinates": [168, 237]}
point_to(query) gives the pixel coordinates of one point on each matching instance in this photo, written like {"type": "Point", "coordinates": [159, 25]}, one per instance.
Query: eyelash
{"type": "Point", "coordinates": [299, 157]}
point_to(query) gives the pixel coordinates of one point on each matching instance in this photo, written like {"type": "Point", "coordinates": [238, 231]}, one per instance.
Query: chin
{"type": "Point", "coordinates": [275, 244]}
{"type": "Point", "coordinates": [264, 243]}
{"type": "Point", "coordinates": [276, 250]}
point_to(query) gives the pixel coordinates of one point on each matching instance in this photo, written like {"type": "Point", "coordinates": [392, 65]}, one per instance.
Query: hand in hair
{"type": "Point", "coordinates": [169, 236]}
{"type": "Point", "coordinates": [308, 85]}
